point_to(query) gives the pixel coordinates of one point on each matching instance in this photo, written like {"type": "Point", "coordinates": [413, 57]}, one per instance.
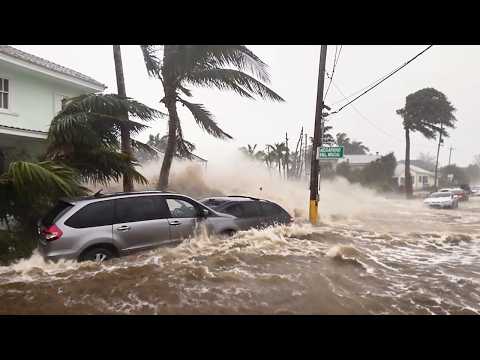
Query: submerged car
{"type": "Point", "coordinates": [100, 227]}
{"type": "Point", "coordinates": [442, 199]}
{"type": "Point", "coordinates": [459, 193]}
{"type": "Point", "coordinates": [249, 211]}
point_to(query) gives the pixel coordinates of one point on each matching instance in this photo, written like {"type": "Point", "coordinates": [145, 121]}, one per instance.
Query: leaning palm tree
{"type": "Point", "coordinates": [427, 111]}
{"type": "Point", "coordinates": [225, 67]}
{"type": "Point", "coordinates": [85, 135]}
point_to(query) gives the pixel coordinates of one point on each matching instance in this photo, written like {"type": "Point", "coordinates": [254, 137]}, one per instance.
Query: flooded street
{"type": "Point", "coordinates": [393, 257]}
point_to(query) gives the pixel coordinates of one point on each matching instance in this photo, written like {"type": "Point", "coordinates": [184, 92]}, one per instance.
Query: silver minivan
{"type": "Point", "coordinates": [100, 227]}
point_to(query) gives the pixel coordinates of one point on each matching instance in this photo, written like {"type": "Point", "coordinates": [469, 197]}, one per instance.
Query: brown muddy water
{"type": "Point", "coordinates": [369, 255]}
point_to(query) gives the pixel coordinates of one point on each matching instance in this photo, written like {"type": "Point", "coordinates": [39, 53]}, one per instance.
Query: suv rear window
{"type": "Point", "coordinates": [92, 215]}
{"type": "Point", "coordinates": [55, 213]}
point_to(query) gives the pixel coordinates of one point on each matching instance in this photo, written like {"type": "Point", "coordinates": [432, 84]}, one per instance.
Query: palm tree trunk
{"type": "Point", "coordinates": [408, 177]}
{"type": "Point", "coordinates": [171, 144]}
{"type": "Point", "coordinates": [126, 143]}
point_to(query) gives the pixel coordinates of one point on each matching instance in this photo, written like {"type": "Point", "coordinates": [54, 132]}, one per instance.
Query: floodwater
{"type": "Point", "coordinates": [391, 256]}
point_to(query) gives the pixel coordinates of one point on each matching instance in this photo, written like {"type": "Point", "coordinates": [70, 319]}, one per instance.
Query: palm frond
{"type": "Point", "coordinates": [152, 62]}
{"type": "Point", "coordinates": [45, 177]}
{"type": "Point", "coordinates": [109, 105]}
{"type": "Point", "coordinates": [229, 79]}
{"type": "Point", "coordinates": [205, 119]}
{"type": "Point", "coordinates": [199, 57]}
{"type": "Point", "coordinates": [104, 165]}
{"type": "Point", "coordinates": [138, 145]}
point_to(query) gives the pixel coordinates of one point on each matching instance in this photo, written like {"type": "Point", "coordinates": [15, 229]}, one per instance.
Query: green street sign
{"type": "Point", "coordinates": [332, 152]}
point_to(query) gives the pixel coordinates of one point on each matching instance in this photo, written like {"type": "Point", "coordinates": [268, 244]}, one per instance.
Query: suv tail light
{"type": "Point", "coordinates": [52, 233]}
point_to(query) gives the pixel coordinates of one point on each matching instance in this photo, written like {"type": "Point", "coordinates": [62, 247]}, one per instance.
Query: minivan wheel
{"type": "Point", "coordinates": [97, 254]}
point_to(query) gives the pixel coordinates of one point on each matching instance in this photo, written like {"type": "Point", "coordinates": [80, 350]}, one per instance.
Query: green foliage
{"type": "Point", "coordinates": [351, 147]}
{"type": "Point", "coordinates": [459, 176]}
{"type": "Point", "coordinates": [377, 174]}
{"type": "Point", "coordinates": [27, 191]}
{"type": "Point", "coordinates": [425, 110]}
{"type": "Point", "coordinates": [85, 136]}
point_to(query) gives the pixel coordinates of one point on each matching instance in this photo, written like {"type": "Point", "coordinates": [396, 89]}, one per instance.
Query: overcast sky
{"type": "Point", "coordinates": [294, 70]}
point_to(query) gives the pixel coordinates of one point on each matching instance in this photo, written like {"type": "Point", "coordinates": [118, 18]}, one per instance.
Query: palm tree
{"type": "Point", "coordinates": [224, 67]}
{"type": "Point", "coordinates": [126, 145]}
{"type": "Point", "coordinates": [277, 152]}
{"type": "Point", "coordinates": [249, 150]}
{"type": "Point", "coordinates": [269, 156]}
{"type": "Point", "coordinates": [28, 188]}
{"type": "Point", "coordinates": [351, 147]}
{"type": "Point", "coordinates": [427, 111]}
{"type": "Point", "coordinates": [85, 136]}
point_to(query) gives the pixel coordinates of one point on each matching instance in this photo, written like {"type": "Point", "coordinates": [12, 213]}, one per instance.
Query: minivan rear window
{"type": "Point", "coordinates": [92, 215]}
{"type": "Point", "coordinates": [55, 213]}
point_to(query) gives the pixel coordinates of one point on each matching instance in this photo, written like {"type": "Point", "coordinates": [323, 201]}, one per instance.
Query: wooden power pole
{"type": "Point", "coordinates": [317, 140]}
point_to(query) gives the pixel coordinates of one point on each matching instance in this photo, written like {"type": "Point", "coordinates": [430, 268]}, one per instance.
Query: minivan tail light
{"type": "Point", "coordinates": [52, 233]}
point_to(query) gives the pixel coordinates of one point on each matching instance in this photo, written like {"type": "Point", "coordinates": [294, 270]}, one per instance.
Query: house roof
{"type": "Point", "coordinates": [35, 60]}
{"type": "Point", "coordinates": [23, 132]}
{"type": "Point", "coordinates": [360, 159]}
{"type": "Point", "coordinates": [400, 170]}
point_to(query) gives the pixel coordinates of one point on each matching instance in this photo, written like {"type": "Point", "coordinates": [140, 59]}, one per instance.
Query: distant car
{"type": "Point", "coordinates": [476, 190]}
{"type": "Point", "coordinates": [459, 193]}
{"type": "Point", "coordinates": [442, 199]}
{"type": "Point", "coordinates": [249, 211]}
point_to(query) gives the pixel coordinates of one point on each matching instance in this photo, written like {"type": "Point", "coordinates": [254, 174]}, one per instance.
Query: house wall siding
{"type": "Point", "coordinates": [32, 97]}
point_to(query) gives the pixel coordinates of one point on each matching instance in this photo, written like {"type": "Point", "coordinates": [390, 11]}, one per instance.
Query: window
{"type": "Point", "coordinates": [235, 210]}
{"type": "Point", "coordinates": [250, 209]}
{"type": "Point", "coordinates": [92, 215]}
{"type": "Point", "coordinates": [181, 208]}
{"type": "Point", "coordinates": [140, 208]}
{"type": "Point", "coordinates": [55, 213]}
{"type": "Point", "coordinates": [270, 209]}
{"type": "Point", "coordinates": [4, 93]}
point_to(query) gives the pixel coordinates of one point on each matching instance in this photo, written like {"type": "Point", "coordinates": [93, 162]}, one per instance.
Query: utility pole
{"type": "Point", "coordinates": [305, 155]}
{"type": "Point", "coordinates": [317, 140]}
{"type": "Point", "coordinates": [450, 155]}
{"type": "Point", "coordinates": [438, 153]}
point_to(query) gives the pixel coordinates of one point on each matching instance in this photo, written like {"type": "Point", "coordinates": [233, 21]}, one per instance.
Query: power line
{"type": "Point", "coordinates": [388, 76]}
{"type": "Point", "coordinates": [335, 61]}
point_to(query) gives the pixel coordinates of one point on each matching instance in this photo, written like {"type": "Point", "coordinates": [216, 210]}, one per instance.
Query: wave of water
{"type": "Point", "coordinates": [369, 255]}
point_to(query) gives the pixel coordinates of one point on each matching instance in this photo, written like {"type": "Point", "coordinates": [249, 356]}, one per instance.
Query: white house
{"type": "Point", "coordinates": [421, 178]}
{"type": "Point", "coordinates": [31, 93]}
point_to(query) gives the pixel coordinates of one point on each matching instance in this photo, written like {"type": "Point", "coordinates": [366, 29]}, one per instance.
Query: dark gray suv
{"type": "Point", "coordinates": [249, 211]}
{"type": "Point", "coordinates": [101, 227]}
